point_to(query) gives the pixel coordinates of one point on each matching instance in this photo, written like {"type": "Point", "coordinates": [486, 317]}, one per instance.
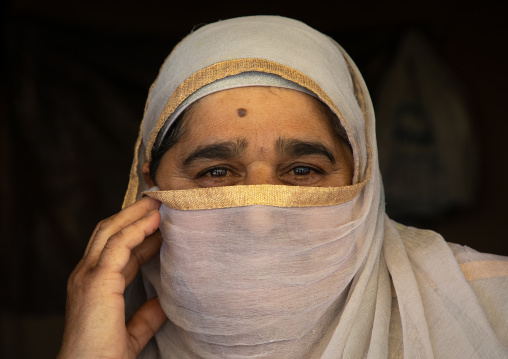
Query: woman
{"type": "Point", "coordinates": [259, 135]}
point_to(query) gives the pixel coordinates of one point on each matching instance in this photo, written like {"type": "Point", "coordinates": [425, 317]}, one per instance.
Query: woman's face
{"type": "Point", "coordinates": [256, 135]}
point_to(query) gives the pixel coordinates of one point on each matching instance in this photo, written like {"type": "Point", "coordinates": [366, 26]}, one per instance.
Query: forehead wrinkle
{"type": "Point", "coordinates": [218, 150]}
{"type": "Point", "coordinates": [295, 148]}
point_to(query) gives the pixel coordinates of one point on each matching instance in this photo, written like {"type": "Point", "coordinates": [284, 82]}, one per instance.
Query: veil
{"type": "Point", "coordinates": [302, 272]}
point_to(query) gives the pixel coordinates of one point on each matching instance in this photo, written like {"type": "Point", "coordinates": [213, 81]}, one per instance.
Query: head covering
{"type": "Point", "coordinates": [246, 45]}
{"type": "Point", "coordinates": [278, 271]}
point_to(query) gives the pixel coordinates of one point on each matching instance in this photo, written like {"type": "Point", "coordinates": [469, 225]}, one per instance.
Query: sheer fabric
{"type": "Point", "coordinates": [299, 272]}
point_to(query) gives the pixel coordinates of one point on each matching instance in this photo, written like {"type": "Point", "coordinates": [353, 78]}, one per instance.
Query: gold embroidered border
{"type": "Point", "coordinates": [484, 269]}
{"type": "Point", "coordinates": [267, 195]}
{"type": "Point", "coordinates": [132, 189]}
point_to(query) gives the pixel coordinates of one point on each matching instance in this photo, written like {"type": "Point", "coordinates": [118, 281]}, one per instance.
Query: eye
{"type": "Point", "coordinates": [301, 171]}
{"type": "Point", "coordinates": [302, 175]}
{"type": "Point", "coordinates": [217, 176]}
{"type": "Point", "coordinates": [216, 172]}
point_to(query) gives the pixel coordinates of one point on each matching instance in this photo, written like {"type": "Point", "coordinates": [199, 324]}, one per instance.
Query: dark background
{"type": "Point", "coordinates": [74, 80]}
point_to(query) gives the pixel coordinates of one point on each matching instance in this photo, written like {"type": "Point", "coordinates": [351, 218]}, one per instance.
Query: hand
{"type": "Point", "coordinates": [95, 316]}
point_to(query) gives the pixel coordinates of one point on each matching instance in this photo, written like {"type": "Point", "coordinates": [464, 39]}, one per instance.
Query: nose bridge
{"type": "Point", "coordinates": [261, 173]}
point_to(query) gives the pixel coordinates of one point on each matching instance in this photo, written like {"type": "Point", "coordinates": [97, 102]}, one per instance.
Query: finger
{"type": "Point", "coordinates": [119, 246]}
{"type": "Point", "coordinates": [90, 241]}
{"type": "Point", "coordinates": [144, 324]}
{"type": "Point", "coordinates": [112, 225]}
{"type": "Point", "coordinates": [141, 254]}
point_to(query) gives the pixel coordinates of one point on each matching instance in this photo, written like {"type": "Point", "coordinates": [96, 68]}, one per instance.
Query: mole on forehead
{"type": "Point", "coordinates": [241, 112]}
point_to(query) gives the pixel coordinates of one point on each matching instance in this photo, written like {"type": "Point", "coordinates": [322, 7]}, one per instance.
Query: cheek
{"type": "Point", "coordinates": [349, 162]}
{"type": "Point", "coordinates": [340, 179]}
{"type": "Point", "coordinates": [345, 174]}
{"type": "Point", "coordinates": [167, 181]}
{"type": "Point", "coordinates": [167, 176]}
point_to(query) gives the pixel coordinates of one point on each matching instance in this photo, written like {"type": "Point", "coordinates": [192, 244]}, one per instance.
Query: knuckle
{"type": "Point", "coordinates": [75, 280]}
{"type": "Point", "coordinates": [105, 224]}
{"type": "Point", "coordinates": [125, 235]}
{"type": "Point", "coordinates": [112, 241]}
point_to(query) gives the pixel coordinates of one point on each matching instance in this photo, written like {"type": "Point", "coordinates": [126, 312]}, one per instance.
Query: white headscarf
{"type": "Point", "coordinates": [287, 272]}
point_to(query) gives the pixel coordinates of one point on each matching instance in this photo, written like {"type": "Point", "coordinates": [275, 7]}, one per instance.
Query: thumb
{"type": "Point", "coordinates": [143, 325]}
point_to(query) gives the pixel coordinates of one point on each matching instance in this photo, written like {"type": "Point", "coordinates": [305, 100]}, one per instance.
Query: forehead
{"type": "Point", "coordinates": [271, 109]}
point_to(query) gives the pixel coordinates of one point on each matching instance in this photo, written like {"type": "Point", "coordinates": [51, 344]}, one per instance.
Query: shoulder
{"type": "Point", "coordinates": [479, 266]}
{"type": "Point", "coordinates": [487, 274]}
{"type": "Point", "coordinates": [459, 288]}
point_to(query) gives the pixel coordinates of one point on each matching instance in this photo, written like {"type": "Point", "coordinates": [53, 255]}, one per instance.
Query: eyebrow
{"type": "Point", "coordinates": [284, 146]}
{"type": "Point", "coordinates": [219, 150]}
{"type": "Point", "coordinates": [296, 148]}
